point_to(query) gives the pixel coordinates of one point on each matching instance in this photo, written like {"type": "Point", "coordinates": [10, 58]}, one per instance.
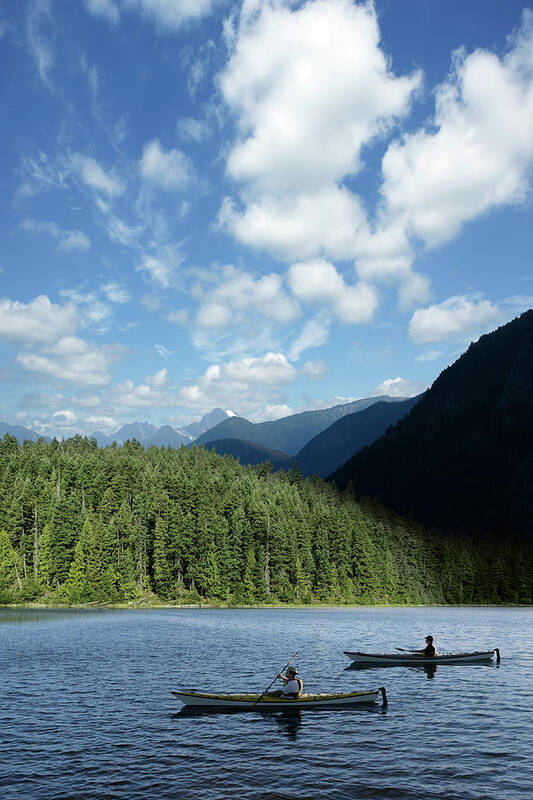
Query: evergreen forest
{"type": "Point", "coordinates": [79, 524]}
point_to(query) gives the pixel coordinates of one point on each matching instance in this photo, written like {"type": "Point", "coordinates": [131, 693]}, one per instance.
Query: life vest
{"type": "Point", "coordinates": [294, 695]}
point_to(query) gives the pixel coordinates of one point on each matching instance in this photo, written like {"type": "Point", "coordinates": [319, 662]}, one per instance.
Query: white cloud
{"type": "Point", "coordinates": [455, 318]}
{"type": "Point", "coordinates": [92, 310]}
{"type": "Point", "coordinates": [479, 152]}
{"type": "Point", "coordinates": [213, 315]}
{"type": "Point", "coordinates": [193, 130]}
{"type": "Point", "coordinates": [115, 293]}
{"type": "Point", "coordinates": [67, 241]}
{"type": "Point", "coordinates": [161, 267]}
{"type": "Point", "coordinates": [36, 322]}
{"type": "Point", "coordinates": [73, 360]}
{"type": "Point", "coordinates": [237, 292]}
{"type": "Point", "coordinates": [39, 174]}
{"type": "Point", "coordinates": [314, 369]}
{"type": "Point", "coordinates": [179, 317]}
{"type": "Point", "coordinates": [38, 17]}
{"type": "Point", "coordinates": [319, 282]}
{"type": "Point", "coordinates": [298, 225]}
{"type": "Point", "coordinates": [171, 170]}
{"type": "Point", "coordinates": [92, 175]}
{"type": "Point", "coordinates": [250, 384]}
{"type": "Point", "coordinates": [104, 8]}
{"type": "Point", "coordinates": [64, 418]}
{"type": "Point", "coordinates": [276, 411]}
{"type": "Point", "coordinates": [163, 351]}
{"type": "Point", "coordinates": [169, 14]}
{"type": "Point", "coordinates": [305, 109]}
{"type": "Point", "coordinates": [431, 355]}
{"type": "Point", "coordinates": [399, 387]}
{"type": "Point", "coordinates": [152, 393]}
{"type": "Point", "coordinates": [314, 333]}
{"type": "Point", "coordinates": [102, 423]}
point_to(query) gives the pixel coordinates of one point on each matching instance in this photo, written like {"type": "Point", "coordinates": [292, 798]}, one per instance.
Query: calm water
{"type": "Point", "coordinates": [87, 713]}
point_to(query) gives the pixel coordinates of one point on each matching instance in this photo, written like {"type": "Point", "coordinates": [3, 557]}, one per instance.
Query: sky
{"type": "Point", "coordinates": [267, 206]}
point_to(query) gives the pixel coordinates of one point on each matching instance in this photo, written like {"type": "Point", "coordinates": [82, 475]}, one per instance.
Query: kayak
{"type": "Point", "coordinates": [418, 658]}
{"type": "Point", "coordinates": [271, 702]}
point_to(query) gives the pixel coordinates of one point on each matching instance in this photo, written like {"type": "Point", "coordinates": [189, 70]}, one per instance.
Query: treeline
{"type": "Point", "coordinates": [79, 524]}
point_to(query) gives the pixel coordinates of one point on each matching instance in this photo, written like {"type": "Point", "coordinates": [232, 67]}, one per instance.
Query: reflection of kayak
{"type": "Point", "coordinates": [269, 701]}
{"type": "Point", "coordinates": [418, 658]}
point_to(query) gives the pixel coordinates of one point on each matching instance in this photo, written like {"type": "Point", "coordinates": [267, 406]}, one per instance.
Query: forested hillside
{"type": "Point", "coordinates": [79, 524]}
{"type": "Point", "coordinates": [463, 457]}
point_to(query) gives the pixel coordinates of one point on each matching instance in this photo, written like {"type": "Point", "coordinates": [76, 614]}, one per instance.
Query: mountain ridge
{"type": "Point", "coordinates": [288, 434]}
{"type": "Point", "coordinates": [463, 457]}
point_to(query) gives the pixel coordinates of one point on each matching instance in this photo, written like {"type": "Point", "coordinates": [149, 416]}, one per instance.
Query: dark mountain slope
{"type": "Point", "coordinates": [246, 452]}
{"type": "Point", "coordinates": [291, 433]}
{"type": "Point", "coordinates": [463, 457]}
{"type": "Point", "coordinates": [331, 448]}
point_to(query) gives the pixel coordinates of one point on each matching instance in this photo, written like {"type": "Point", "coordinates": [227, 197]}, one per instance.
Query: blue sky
{"type": "Point", "coordinates": [267, 205]}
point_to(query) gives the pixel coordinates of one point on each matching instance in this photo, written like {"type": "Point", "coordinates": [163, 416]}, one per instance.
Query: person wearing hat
{"type": "Point", "coordinates": [430, 649]}
{"type": "Point", "coordinates": [292, 684]}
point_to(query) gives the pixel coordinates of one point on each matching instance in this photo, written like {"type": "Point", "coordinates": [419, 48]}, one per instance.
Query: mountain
{"type": "Point", "coordinates": [102, 439]}
{"type": "Point", "coordinates": [20, 433]}
{"type": "Point", "coordinates": [463, 457]}
{"type": "Point", "coordinates": [247, 452]}
{"type": "Point", "coordinates": [166, 436]}
{"type": "Point", "coordinates": [291, 433]}
{"type": "Point", "coordinates": [207, 422]}
{"type": "Point", "coordinates": [331, 448]}
{"type": "Point", "coordinates": [134, 430]}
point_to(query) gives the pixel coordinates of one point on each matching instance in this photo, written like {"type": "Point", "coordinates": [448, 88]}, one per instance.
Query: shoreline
{"type": "Point", "coordinates": [147, 606]}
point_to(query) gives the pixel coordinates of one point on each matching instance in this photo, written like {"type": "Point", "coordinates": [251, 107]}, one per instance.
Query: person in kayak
{"type": "Point", "coordinates": [429, 650]}
{"type": "Point", "coordinates": [292, 684]}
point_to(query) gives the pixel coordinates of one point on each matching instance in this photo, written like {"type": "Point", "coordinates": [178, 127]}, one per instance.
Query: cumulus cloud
{"type": "Point", "coordinates": [39, 321]}
{"type": "Point", "coordinates": [399, 387]}
{"type": "Point", "coordinates": [152, 393]}
{"type": "Point", "coordinates": [73, 360]}
{"type": "Point", "coordinates": [237, 292]}
{"type": "Point", "coordinates": [250, 384]}
{"type": "Point", "coordinates": [170, 171]}
{"type": "Point", "coordinates": [305, 110]}
{"type": "Point", "coordinates": [478, 153]}
{"type": "Point", "coordinates": [213, 315]}
{"type": "Point", "coordinates": [93, 176]}
{"type": "Point", "coordinates": [456, 318]}
{"type": "Point", "coordinates": [102, 423]}
{"type": "Point", "coordinates": [318, 282]}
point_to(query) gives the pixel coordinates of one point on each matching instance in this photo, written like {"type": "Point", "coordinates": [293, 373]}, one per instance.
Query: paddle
{"type": "Point", "coordinates": [403, 650]}
{"type": "Point", "coordinates": [275, 679]}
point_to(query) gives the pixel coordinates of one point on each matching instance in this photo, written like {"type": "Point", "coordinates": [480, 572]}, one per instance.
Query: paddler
{"type": "Point", "coordinates": [429, 650]}
{"type": "Point", "coordinates": [292, 684]}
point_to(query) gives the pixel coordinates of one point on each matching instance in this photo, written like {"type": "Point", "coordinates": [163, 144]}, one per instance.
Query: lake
{"type": "Point", "coordinates": [87, 712]}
